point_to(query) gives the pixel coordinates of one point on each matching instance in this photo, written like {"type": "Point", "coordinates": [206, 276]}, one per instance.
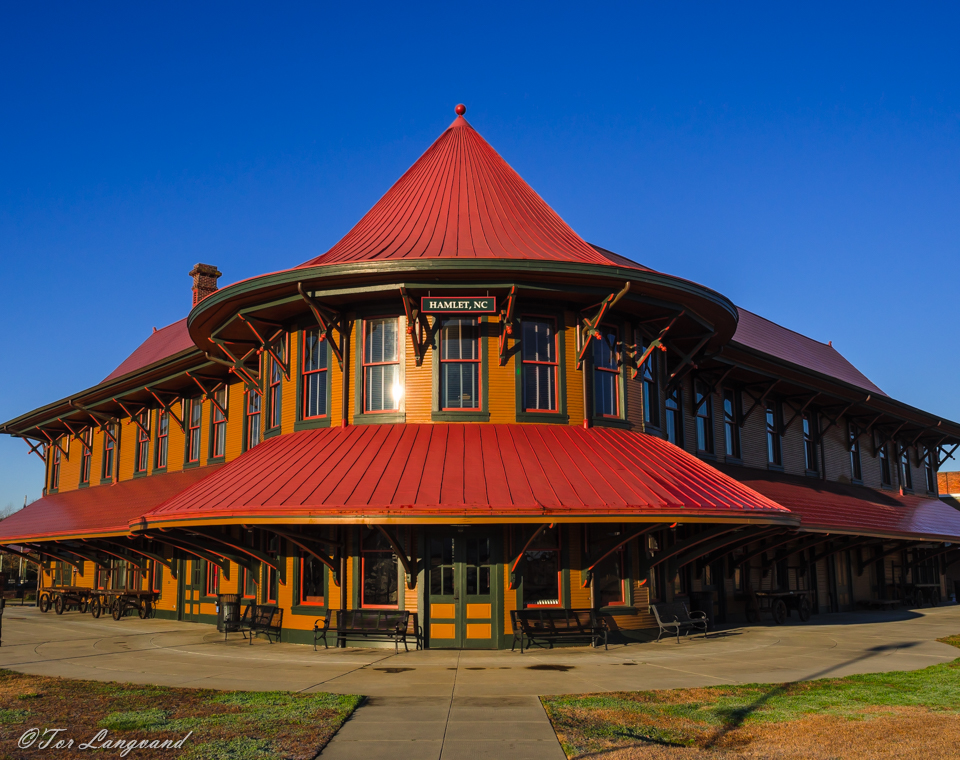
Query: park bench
{"type": "Point", "coordinates": [261, 618]}
{"type": "Point", "coordinates": [675, 618]}
{"type": "Point", "coordinates": [551, 625]}
{"type": "Point", "coordinates": [384, 625]}
{"type": "Point", "coordinates": [321, 626]}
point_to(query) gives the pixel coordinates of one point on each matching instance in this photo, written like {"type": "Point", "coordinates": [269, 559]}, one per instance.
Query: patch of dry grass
{"type": "Point", "coordinates": [226, 725]}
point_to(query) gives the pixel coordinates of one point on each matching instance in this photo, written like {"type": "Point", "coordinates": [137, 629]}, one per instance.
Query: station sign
{"type": "Point", "coordinates": [458, 305]}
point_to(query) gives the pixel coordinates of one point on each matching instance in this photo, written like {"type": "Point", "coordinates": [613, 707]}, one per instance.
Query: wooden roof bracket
{"type": "Point", "coordinates": [656, 343]}
{"type": "Point", "coordinates": [144, 553]}
{"type": "Point", "coordinates": [56, 443]}
{"type": "Point", "coordinates": [134, 417]}
{"type": "Point", "coordinates": [77, 435]}
{"type": "Point", "coordinates": [34, 448]}
{"type": "Point", "coordinates": [757, 401]}
{"type": "Point", "coordinates": [167, 406]}
{"type": "Point", "coordinates": [237, 366]}
{"type": "Point", "coordinates": [255, 554]}
{"type": "Point", "coordinates": [798, 412]}
{"type": "Point", "coordinates": [686, 361]}
{"type": "Point", "coordinates": [516, 562]}
{"type": "Point", "coordinates": [948, 455]}
{"type": "Point", "coordinates": [198, 550]}
{"type": "Point", "coordinates": [209, 394]}
{"type": "Point", "coordinates": [302, 542]}
{"type": "Point", "coordinates": [57, 556]}
{"type": "Point", "coordinates": [836, 420]}
{"type": "Point", "coordinates": [328, 320]}
{"type": "Point", "coordinates": [648, 563]}
{"type": "Point", "coordinates": [776, 542]}
{"type": "Point", "coordinates": [852, 544]}
{"type": "Point", "coordinates": [266, 343]}
{"type": "Point", "coordinates": [21, 555]}
{"type": "Point", "coordinates": [507, 323]}
{"type": "Point", "coordinates": [901, 546]}
{"type": "Point", "coordinates": [417, 327]}
{"type": "Point", "coordinates": [135, 561]}
{"type": "Point", "coordinates": [589, 327]}
{"type": "Point", "coordinates": [409, 563]}
{"type": "Point", "coordinates": [588, 573]}
{"type": "Point", "coordinates": [782, 553]}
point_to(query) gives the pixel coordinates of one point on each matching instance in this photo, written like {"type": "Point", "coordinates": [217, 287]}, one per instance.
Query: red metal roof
{"type": "Point", "coordinates": [770, 338]}
{"type": "Point", "coordinates": [461, 200]}
{"type": "Point", "coordinates": [96, 510]}
{"type": "Point", "coordinates": [837, 507]}
{"type": "Point", "coordinates": [470, 471]}
{"type": "Point", "coordinates": [162, 343]}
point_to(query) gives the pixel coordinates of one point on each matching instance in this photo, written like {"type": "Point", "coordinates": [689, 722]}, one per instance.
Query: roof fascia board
{"type": "Point", "coordinates": [876, 401]}
{"type": "Point", "coordinates": [103, 394]}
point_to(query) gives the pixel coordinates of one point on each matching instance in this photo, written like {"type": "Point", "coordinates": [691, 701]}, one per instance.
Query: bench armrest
{"type": "Point", "coordinates": [700, 614]}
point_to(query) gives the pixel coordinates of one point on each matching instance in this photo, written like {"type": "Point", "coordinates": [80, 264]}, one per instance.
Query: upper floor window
{"type": "Point", "coordinates": [731, 422]}
{"type": "Point", "coordinates": [853, 445]}
{"type": "Point", "coordinates": [606, 373]}
{"type": "Point", "coordinates": [774, 443]}
{"type": "Point", "coordinates": [109, 447]}
{"type": "Point", "coordinates": [810, 430]}
{"type": "Point", "coordinates": [313, 375]}
{"type": "Point", "coordinates": [882, 453]}
{"type": "Point", "coordinates": [651, 390]}
{"type": "Point", "coordinates": [906, 477]}
{"type": "Point", "coordinates": [251, 435]}
{"type": "Point", "coordinates": [55, 465]}
{"type": "Point", "coordinates": [703, 401]}
{"type": "Point", "coordinates": [86, 454]}
{"type": "Point", "coordinates": [382, 391]}
{"type": "Point", "coordinates": [459, 363]}
{"type": "Point", "coordinates": [930, 469]}
{"type": "Point", "coordinates": [194, 418]}
{"type": "Point", "coordinates": [275, 384]}
{"type": "Point", "coordinates": [674, 417]}
{"type": "Point", "coordinates": [380, 583]}
{"type": "Point", "coordinates": [142, 459]}
{"type": "Point", "coordinates": [311, 579]}
{"type": "Point", "coordinates": [539, 358]}
{"type": "Point", "coordinates": [218, 438]}
{"type": "Point", "coordinates": [163, 437]}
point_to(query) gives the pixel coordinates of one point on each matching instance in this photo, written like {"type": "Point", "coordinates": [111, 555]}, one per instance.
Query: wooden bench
{"type": "Point", "coordinates": [549, 625]}
{"type": "Point", "coordinates": [384, 625]}
{"type": "Point", "coordinates": [261, 618]}
{"type": "Point", "coordinates": [321, 627]}
{"type": "Point", "coordinates": [675, 618]}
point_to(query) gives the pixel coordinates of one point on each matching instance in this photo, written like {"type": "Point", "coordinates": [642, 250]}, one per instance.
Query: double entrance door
{"type": "Point", "coordinates": [191, 590]}
{"type": "Point", "coordinates": [464, 580]}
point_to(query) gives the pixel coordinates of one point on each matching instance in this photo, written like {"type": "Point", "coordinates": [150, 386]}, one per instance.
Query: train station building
{"type": "Point", "coordinates": [464, 409]}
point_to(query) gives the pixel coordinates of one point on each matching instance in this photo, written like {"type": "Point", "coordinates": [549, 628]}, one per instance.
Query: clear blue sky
{"type": "Point", "coordinates": [804, 160]}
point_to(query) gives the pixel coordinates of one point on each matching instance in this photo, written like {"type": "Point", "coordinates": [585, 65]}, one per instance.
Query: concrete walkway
{"type": "Point", "coordinates": [448, 704]}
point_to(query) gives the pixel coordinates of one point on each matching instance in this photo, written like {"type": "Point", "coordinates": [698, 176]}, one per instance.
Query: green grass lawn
{"type": "Point", "coordinates": [702, 717]}
{"type": "Point", "coordinates": [232, 725]}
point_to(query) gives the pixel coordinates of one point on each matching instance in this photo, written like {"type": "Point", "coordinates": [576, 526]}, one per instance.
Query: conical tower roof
{"type": "Point", "coordinates": [461, 200]}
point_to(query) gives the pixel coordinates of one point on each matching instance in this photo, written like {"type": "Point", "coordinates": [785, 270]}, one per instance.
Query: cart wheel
{"type": "Point", "coordinates": [95, 608]}
{"type": "Point", "coordinates": [83, 606]}
{"type": "Point", "coordinates": [145, 610]}
{"type": "Point", "coordinates": [752, 615]}
{"type": "Point", "coordinates": [59, 605]}
{"type": "Point", "coordinates": [779, 612]}
{"type": "Point", "coordinates": [44, 602]}
{"type": "Point", "coordinates": [804, 609]}
{"type": "Point", "coordinates": [117, 610]}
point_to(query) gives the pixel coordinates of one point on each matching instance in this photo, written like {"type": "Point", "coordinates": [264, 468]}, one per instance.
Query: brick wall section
{"type": "Point", "coordinates": [949, 482]}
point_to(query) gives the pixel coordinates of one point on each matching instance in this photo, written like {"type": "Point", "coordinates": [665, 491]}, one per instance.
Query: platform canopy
{"type": "Point", "coordinates": [98, 511]}
{"type": "Point", "coordinates": [465, 473]}
{"type": "Point", "coordinates": [827, 506]}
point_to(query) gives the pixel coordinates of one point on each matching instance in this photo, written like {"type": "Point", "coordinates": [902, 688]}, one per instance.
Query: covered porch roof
{"type": "Point", "coordinates": [465, 473]}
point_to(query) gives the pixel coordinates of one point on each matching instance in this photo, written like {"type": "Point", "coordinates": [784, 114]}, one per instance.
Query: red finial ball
{"type": "Point", "coordinates": [461, 109]}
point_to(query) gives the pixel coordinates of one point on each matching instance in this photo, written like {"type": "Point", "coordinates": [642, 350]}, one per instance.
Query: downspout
{"type": "Point", "coordinates": [343, 576]}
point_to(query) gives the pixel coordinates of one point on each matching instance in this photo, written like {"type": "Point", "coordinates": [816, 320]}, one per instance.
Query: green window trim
{"type": "Point", "coordinates": [361, 417]}
{"type": "Point", "coordinates": [312, 423]}
{"type": "Point", "coordinates": [560, 416]}
{"type": "Point", "coordinates": [483, 415]}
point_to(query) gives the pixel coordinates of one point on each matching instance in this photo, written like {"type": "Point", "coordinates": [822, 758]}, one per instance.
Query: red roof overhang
{"type": "Point", "coordinates": [825, 506]}
{"type": "Point", "coordinates": [465, 473]}
{"type": "Point", "coordinates": [97, 511]}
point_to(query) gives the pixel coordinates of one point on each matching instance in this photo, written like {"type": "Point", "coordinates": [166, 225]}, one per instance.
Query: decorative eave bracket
{"type": "Point", "coordinates": [328, 320]}
{"type": "Point", "coordinates": [590, 326]}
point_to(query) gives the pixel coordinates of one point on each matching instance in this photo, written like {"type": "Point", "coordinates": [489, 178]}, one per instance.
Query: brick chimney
{"type": "Point", "coordinates": [204, 281]}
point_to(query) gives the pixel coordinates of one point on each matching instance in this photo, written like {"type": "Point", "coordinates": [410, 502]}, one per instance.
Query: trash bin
{"type": "Point", "coordinates": [228, 613]}
{"type": "Point", "coordinates": [703, 601]}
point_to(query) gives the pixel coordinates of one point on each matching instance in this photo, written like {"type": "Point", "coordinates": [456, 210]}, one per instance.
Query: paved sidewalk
{"type": "Point", "coordinates": [445, 705]}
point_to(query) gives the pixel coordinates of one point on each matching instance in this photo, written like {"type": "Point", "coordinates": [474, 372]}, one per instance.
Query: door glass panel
{"type": "Point", "coordinates": [478, 566]}
{"type": "Point", "coordinates": [441, 566]}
